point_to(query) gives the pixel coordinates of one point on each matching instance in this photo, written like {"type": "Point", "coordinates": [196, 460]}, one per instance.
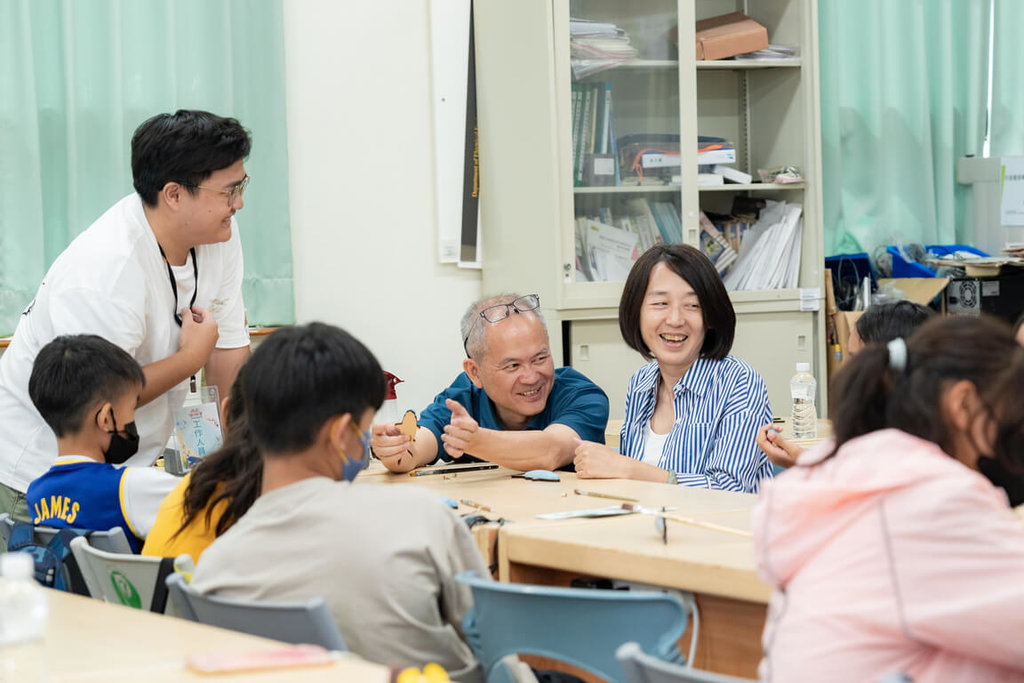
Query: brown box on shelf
{"type": "Point", "coordinates": [729, 35]}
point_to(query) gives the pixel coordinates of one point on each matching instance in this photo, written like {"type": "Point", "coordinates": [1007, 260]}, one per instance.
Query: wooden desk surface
{"type": "Point", "coordinates": [695, 559]}
{"type": "Point", "coordinates": [90, 640]}
{"type": "Point", "coordinates": [718, 567]}
{"type": "Point", "coordinates": [520, 500]}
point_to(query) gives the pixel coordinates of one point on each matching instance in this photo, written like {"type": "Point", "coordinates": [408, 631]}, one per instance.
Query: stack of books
{"type": "Point", "coordinates": [713, 243]}
{"type": "Point", "coordinates": [608, 241]}
{"type": "Point", "coordinates": [654, 158]}
{"type": "Point", "coordinates": [595, 46]}
{"type": "Point", "coordinates": [769, 255]}
{"type": "Point", "coordinates": [715, 157]}
{"type": "Point", "coordinates": [594, 150]}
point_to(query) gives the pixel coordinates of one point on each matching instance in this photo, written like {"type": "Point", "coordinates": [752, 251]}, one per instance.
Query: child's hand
{"type": "Point", "coordinates": [778, 450]}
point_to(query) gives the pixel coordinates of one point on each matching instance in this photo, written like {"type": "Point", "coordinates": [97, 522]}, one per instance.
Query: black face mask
{"type": "Point", "coordinates": [998, 474]}
{"type": "Point", "coordinates": [122, 447]}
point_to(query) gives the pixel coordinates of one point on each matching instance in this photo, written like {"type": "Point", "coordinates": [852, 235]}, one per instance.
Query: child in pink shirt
{"type": "Point", "coordinates": [887, 549]}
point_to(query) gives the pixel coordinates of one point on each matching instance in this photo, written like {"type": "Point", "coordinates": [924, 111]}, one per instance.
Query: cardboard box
{"type": "Point", "coordinates": [729, 35]}
{"type": "Point", "coordinates": [920, 290]}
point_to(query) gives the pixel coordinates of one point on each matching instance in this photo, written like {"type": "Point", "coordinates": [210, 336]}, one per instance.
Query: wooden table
{"type": "Point", "coordinates": [718, 567]}
{"type": "Point", "coordinates": [91, 640]}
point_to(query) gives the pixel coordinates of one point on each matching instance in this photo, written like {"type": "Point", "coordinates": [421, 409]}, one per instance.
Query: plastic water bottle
{"type": "Point", "coordinates": [802, 388]}
{"type": "Point", "coordinates": [23, 612]}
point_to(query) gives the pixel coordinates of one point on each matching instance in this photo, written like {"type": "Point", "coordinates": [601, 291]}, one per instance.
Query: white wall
{"type": "Point", "coordinates": [364, 234]}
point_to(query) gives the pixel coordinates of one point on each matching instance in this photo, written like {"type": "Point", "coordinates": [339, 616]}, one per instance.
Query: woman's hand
{"type": "Point", "coordinates": [597, 461]}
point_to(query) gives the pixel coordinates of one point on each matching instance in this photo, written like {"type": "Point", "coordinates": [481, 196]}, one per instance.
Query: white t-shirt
{"type": "Point", "coordinates": [112, 281]}
{"type": "Point", "coordinates": [654, 444]}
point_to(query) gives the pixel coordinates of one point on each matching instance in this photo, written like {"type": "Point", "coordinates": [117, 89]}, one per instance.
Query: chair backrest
{"type": "Point", "coordinates": [292, 622]}
{"type": "Point", "coordinates": [579, 626]}
{"type": "Point", "coordinates": [643, 668]}
{"type": "Point", "coordinates": [111, 540]}
{"type": "Point", "coordinates": [132, 580]}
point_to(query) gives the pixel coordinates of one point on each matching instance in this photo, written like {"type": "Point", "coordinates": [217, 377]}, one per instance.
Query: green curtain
{"type": "Point", "coordinates": [1007, 134]}
{"type": "Point", "coordinates": [903, 96]}
{"type": "Point", "coordinates": [78, 76]}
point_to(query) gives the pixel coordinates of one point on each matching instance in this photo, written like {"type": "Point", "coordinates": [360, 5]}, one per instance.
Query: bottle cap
{"type": "Point", "coordinates": [803, 367]}
{"type": "Point", "coordinates": [16, 566]}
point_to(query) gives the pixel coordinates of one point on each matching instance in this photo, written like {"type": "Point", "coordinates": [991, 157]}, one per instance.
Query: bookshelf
{"type": "Point", "coordinates": [531, 196]}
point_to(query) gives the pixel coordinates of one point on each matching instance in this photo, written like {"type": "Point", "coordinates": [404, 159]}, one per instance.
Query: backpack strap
{"type": "Point", "coordinates": [76, 580]}
{"type": "Point", "coordinates": [69, 577]}
{"type": "Point", "coordinates": [48, 560]}
{"type": "Point", "coordinates": [21, 536]}
{"type": "Point", "coordinates": [160, 589]}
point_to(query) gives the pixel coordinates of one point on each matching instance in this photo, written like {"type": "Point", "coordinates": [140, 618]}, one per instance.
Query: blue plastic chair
{"type": "Point", "coordinates": [643, 668]}
{"type": "Point", "coordinates": [578, 626]}
{"type": "Point", "coordinates": [112, 540]}
{"type": "Point", "coordinates": [291, 622]}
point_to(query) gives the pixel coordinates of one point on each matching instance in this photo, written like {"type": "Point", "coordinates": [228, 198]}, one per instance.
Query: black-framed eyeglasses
{"type": "Point", "coordinates": [523, 304]}
{"type": "Point", "coordinates": [498, 312]}
{"type": "Point", "coordinates": [233, 192]}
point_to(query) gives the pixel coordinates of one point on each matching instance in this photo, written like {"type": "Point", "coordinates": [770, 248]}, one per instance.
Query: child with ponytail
{"type": "Point", "coordinates": [887, 549]}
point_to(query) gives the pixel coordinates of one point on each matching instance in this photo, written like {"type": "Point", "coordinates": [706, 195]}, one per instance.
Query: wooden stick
{"type": "Point", "coordinates": [707, 525]}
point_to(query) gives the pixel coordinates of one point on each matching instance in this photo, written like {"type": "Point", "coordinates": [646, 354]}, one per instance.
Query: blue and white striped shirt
{"type": "Point", "coordinates": [719, 406]}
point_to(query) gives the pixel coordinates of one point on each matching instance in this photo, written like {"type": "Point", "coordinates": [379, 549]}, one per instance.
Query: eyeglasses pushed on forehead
{"type": "Point", "coordinates": [498, 312]}
{"type": "Point", "coordinates": [527, 302]}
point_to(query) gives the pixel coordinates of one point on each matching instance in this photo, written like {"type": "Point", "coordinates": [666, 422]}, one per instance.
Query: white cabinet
{"type": "Point", "coordinates": [531, 188]}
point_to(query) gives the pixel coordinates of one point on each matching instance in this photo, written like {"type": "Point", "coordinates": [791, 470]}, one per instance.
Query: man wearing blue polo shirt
{"type": "Point", "coordinates": [510, 406]}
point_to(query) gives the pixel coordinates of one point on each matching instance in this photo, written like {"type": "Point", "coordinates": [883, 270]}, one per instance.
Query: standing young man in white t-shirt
{"type": "Point", "coordinates": [159, 274]}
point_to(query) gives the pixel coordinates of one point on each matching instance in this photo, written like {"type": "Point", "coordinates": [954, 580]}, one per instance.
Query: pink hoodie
{"type": "Point", "coordinates": [889, 557]}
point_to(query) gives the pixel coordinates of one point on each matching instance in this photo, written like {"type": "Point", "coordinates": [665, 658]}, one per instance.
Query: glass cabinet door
{"type": "Point", "coordinates": [626, 137]}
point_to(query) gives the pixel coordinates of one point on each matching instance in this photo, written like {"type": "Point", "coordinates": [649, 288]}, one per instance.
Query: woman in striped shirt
{"type": "Point", "coordinates": [692, 413]}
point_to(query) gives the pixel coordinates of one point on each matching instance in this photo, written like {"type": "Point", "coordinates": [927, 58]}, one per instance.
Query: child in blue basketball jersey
{"type": "Point", "coordinates": [87, 389]}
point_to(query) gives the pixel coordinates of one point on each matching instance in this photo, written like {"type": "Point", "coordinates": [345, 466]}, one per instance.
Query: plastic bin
{"type": "Point", "coordinates": [903, 268]}
{"type": "Point", "coordinates": [848, 272]}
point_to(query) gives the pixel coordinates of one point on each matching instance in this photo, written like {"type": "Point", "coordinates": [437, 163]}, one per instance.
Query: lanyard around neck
{"type": "Point", "coordinates": [174, 284]}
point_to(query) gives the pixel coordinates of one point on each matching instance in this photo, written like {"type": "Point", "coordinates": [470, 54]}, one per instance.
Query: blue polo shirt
{"type": "Point", "coordinates": [574, 401]}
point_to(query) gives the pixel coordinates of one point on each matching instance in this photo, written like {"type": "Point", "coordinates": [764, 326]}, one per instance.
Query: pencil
{"type": "Point", "coordinates": [452, 470]}
{"type": "Point", "coordinates": [474, 504]}
{"type": "Point", "coordinates": [598, 494]}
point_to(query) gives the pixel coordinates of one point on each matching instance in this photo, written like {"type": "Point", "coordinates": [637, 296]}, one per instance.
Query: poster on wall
{"type": "Point", "coordinates": [456, 157]}
{"type": "Point", "coordinates": [1011, 209]}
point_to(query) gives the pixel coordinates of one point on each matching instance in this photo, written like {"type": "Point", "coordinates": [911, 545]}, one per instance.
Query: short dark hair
{"type": "Point", "coordinates": [300, 377]}
{"type": "Point", "coordinates": [184, 147]}
{"type": "Point", "coordinates": [693, 266]}
{"type": "Point", "coordinates": [73, 373]}
{"type": "Point", "coordinates": [882, 323]}
{"type": "Point", "coordinates": [869, 394]}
